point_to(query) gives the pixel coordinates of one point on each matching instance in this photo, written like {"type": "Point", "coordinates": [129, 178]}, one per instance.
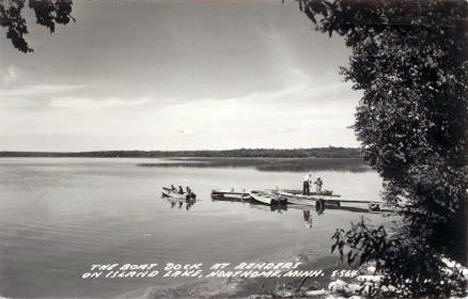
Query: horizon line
{"type": "Point", "coordinates": [177, 150]}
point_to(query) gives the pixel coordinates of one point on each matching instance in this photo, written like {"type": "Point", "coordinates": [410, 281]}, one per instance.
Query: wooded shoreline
{"type": "Point", "coordinates": [325, 152]}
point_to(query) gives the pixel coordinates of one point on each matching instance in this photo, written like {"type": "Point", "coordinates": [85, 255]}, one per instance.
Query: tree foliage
{"type": "Point", "coordinates": [409, 57]}
{"type": "Point", "coordinates": [48, 13]}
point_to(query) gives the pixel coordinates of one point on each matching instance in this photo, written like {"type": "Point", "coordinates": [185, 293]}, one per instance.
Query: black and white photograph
{"type": "Point", "coordinates": [233, 149]}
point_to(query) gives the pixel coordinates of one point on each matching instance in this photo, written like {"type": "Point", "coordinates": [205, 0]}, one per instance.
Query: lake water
{"type": "Point", "coordinates": [60, 215]}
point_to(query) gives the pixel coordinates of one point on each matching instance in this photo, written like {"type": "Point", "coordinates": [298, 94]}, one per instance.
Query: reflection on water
{"type": "Point", "coordinates": [179, 203]}
{"type": "Point", "coordinates": [307, 212]}
{"type": "Point", "coordinates": [60, 215]}
{"type": "Point", "coordinates": [252, 204]}
{"type": "Point", "coordinates": [307, 218]}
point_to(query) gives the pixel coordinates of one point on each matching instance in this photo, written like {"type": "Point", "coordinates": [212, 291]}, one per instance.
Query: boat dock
{"type": "Point", "coordinates": [327, 198]}
{"type": "Point", "coordinates": [322, 200]}
{"type": "Point", "coordinates": [285, 196]}
{"type": "Point", "coordinates": [292, 197]}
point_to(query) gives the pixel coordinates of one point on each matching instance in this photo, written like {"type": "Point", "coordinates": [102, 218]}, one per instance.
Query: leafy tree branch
{"type": "Point", "coordinates": [48, 13]}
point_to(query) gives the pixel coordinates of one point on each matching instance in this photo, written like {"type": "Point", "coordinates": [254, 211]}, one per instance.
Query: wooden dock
{"type": "Point", "coordinates": [323, 200]}
{"type": "Point", "coordinates": [312, 193]}
{"type": "Point", "coordinates": [294, 198]}
{"type": "Point", "coordinates": [327, 198]}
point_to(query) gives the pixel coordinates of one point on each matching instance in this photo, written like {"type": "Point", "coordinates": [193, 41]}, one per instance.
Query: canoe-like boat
{"type": "Point", "coordinates": [267, 197]}
{"type": "Point", "coordinates": [168, 192]}
{"type": "Point", "coordinates": [230, 194]}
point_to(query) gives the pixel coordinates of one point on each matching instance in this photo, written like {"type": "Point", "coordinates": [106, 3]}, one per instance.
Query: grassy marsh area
{"type": "Point", "coordinates": [268, 164]}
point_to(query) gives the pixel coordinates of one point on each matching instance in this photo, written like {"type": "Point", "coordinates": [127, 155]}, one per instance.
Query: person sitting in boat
{"type": "Point", "coordinates": [173, 188]}
{"type": "Point", "coordinates": [181, 190]}
{"type": "Point", "coordinates": [188, 189]}
{"type": "Point", "coordinates": [306, 185]}
{"type": "Point", "coordinates": [190, 196]}
{"type": "Point", "coordinates": [318, 185]}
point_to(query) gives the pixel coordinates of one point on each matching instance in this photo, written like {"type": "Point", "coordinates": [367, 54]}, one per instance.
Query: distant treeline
{"type": "Point", "coordinates": [327, 152]}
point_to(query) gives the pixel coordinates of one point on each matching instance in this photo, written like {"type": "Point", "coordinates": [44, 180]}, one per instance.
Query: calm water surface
{"type": "Point", "coordinates": [58, 216]}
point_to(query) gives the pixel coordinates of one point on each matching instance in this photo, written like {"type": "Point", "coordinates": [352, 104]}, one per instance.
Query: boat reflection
{"type": "Point", "coordinates": [252, 203]}
{"type": "Point", "coordinates": [272, 208]}
{"type": "Point", "coordinates": [179, 203]}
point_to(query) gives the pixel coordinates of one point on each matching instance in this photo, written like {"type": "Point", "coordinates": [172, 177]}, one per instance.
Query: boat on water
{"type": "Point", "coordinates": [267, 197]}
{"type": "Point", "coordinates": [230, 194]}
{"type": "Point", "coordinates": [169, 192]}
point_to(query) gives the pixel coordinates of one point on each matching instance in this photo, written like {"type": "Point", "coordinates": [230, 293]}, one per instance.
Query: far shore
{"type": "Point", "coordinates": [278, 161]}
{"type": "Point", "coordinates": [325, 152]}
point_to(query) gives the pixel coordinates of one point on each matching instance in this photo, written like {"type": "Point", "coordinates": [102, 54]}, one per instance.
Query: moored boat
{"type": "Point", "coordinates": [267, 197]}
{"type": "Point", "coordinates": [230, 194]}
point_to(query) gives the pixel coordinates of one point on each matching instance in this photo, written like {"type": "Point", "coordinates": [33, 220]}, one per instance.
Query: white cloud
{"type": "Point", "coordinates": [94, 103]}
{"type": "Point", "coordinates": [37, 90]}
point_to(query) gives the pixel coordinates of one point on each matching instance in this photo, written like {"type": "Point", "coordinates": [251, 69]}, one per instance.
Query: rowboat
{"type": "Point", "coordinates": [230, 194]}
{"type": "Point", "coordinates": [267, 197]}
{"type": "Point", "coordinates": [175, 195]}
{"type": "Point", "coordinates": [168, 192]}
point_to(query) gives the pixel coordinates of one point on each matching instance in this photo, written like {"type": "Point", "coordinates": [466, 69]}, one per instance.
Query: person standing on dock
{"type": "Point", "coordinates": [318, 185]}
{"type": "Point", "coordinates": [306, 185]}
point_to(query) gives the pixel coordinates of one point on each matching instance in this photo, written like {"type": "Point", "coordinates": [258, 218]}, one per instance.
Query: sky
{"type": "Point", "coordinates": [176, 75]}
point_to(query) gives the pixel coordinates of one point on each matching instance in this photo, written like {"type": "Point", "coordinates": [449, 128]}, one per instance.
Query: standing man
{"type": "Point", "coordinates": [306, 185]}
{"type": "Point", "coordinates": [318, 185]}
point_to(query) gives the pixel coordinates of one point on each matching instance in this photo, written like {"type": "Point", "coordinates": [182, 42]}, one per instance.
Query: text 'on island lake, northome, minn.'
{"type": "Point", "coordinates": [216, 270]}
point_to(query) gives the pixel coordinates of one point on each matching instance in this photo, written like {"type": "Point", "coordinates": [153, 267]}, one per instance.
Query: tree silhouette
{"type": "Point", "coordinates": [410, 60]}
{"type": "Point", "coordinates": [48, 13]}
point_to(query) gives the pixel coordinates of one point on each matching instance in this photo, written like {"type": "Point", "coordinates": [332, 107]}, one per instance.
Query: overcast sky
{"type": "Point", "coordinates": [170, 75]}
